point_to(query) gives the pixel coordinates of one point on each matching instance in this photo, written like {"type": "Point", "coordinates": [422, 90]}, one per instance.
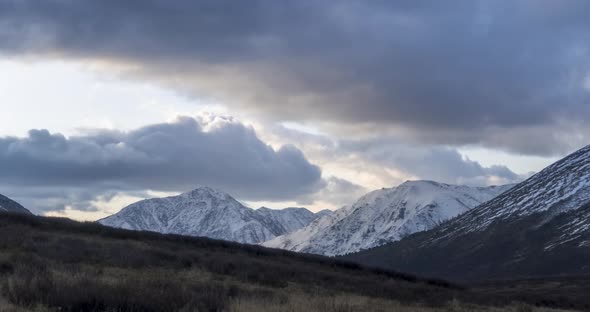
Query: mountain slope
{"type": "Point", "coordinates": [9, 205]}
{"type": "Point", "coordinates": [285, 220]}
{"type": "Point", "coordinates": [302, 239]}
{"type": "Point", "coordinates": [539, 227]}
{"type": "Point", "coordinates": [384, 216]}
{"type": "Point", "coordinates": [209, 213]}
{"type": "Point", "coordinates": [55, 264]}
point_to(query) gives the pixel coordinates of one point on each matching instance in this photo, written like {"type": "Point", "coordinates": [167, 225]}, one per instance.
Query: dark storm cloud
{"type": "Point", "coordinates": [173, 157]}
{"type": "Point", "coordinates": [47, 198]}
{"type": "Point", "coordinates": [448, 72]}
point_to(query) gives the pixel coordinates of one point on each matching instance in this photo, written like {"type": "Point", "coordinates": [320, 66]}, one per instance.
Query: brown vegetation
{"type": "Point", "coordinates": [51, 264]}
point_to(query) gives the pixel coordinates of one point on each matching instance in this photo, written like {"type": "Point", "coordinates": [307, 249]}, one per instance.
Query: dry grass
{"type": "Point", "coordinates": [298, 301]}
{"type": "Point", "coordinates": [6, 306]}
{"type": "Point", "coordinates": [49, 265]}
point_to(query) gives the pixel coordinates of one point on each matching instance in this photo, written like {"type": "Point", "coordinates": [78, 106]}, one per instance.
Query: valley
{"type": "Point", "coordinates": [49, 264]}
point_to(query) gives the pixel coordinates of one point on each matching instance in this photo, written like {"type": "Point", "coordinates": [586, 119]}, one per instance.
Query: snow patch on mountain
{"type": "Point", "coordinates": [302, 239]}
{"type": "Point", "coordinates": [384, 216]}
{"type": "Point", "coordinates": [286, 220]}
{"type": "Point", "coordinates": [561, 187]}
{"type": "Point", "coordinates": [210, 213]}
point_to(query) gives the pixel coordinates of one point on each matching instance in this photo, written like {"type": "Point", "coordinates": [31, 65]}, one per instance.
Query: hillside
{"type": "Point", "coordinates": [384, 216]}
{"type": "Point", "coordinates": [540, 227]}
{"type": "Point", "coordinates": [9, 205]}
{"type": "Point", "coordinates": [49, 264]}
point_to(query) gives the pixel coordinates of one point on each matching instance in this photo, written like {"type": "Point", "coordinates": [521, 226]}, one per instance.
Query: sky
{"type": "Point", "coordinates": [283, 103]}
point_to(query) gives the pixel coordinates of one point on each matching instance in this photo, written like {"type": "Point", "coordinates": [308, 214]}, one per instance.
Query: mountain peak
{"type": "Point", "coordinates": [384, 216]}
{"type": "Point", "coordinates": [283, 209]}
{"type": "Point", "coordinates": [422, 182]}
{"type": "Point", "coordinates": [562, 186]}
{"type": "Point", "coordinates": [209, 212]}
{"type": "Point", "coordinates": [540, 227]}
{"type": "Point", "coordinates": [423, 185]}
{"type": "Point", "coordinates": [206, 191]}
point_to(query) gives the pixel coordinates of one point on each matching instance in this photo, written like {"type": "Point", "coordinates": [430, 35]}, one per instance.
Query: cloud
{"type": "Point", "coordinates": [438, 163]}
{"type": "Point", "coordinates": [99, 200]}
{"type": "Point", "coordinates": [385, 161]}
{"type": "Point", "coordinates": [169, 157]}
{"type": "Point", "coordinates": [337, 191]}
{"type": "Point", "coordinates": [452, 73]}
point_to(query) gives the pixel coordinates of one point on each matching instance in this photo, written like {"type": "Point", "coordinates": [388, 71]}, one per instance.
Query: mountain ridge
{"type": "Point", "coordinates": [209, 212]}
{"type": "Point", "coordinates": [554, 185]}
{"type": "Point", "coordinates": [385, 215]}
{"type": "Point", "coordinates": [9, 205]}
{"type": "Point", "coordinates": [539, 227]}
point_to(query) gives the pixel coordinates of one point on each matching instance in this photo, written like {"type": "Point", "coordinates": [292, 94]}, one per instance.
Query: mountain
{"type": "Point", "coordinates": [539, 227]}
{"type": "Point", "coordinates": [324, 212]}
{"type": "Point", "coordinates": [209, 213]}
{"type": "Point", "coordinates": [303, 239]}
{"type": "Point", "coordinates": [384, 216]}
{"type": "Point", "coordinates": [9, 205]}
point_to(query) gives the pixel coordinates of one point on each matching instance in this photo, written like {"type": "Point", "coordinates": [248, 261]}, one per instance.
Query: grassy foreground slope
{"type": "Point", "coordinates": [49, 264]}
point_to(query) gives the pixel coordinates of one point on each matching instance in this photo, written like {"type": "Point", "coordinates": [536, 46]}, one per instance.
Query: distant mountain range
{"type": "Point", "coordinates": [210, 213]}
{"type": "Point", "coordinates": [384, 216]}
{"type": "Point", "coordinates": [9, 205]}
{"type": "Point", "coordinates": [539, 227]}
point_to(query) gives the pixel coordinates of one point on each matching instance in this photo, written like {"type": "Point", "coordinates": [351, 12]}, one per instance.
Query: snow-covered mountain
{"type": "Point", "coordinates": [563, 186]}
{"type": "Point", "coordinates": [539, 227]}
{"type": "Point", "coordinates": [384, 216]}
{"type": "Point", "coordinates": [9, 205]}
{"type": "Point", "coordinates": [286, 220]}
{"type": "Point", "coordinates": [209, 213]}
